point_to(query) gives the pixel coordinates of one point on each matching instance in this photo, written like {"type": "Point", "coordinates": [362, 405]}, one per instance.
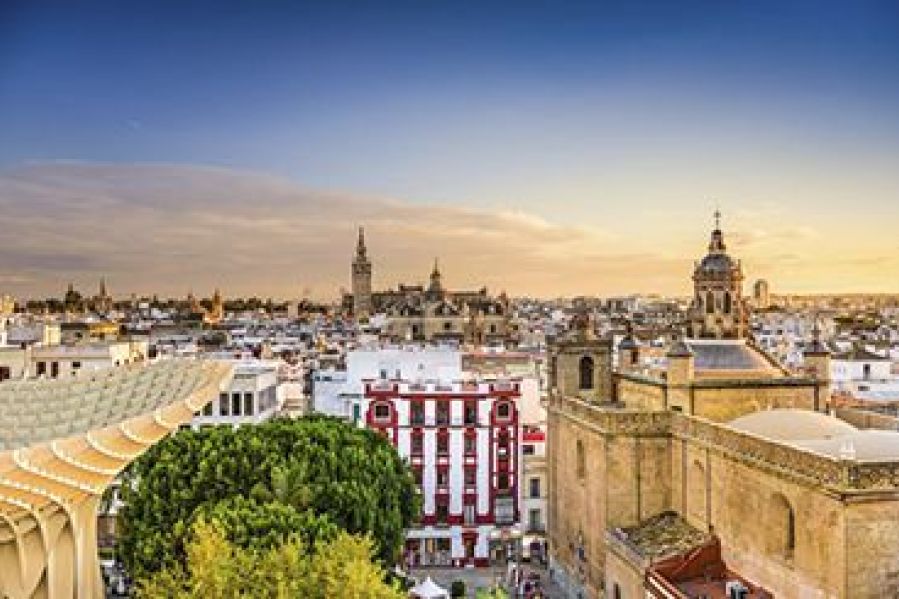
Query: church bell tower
{"type": "Point", "coordinates": [719, 310]}
{"type": "Point", "coordinates": [361, 279]}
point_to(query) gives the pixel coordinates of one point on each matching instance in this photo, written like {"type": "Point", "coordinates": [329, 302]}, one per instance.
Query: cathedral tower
{"type": "Point", "coordinates": [718, 310]}
{"type": "Point", "coordinates": [361, 279]}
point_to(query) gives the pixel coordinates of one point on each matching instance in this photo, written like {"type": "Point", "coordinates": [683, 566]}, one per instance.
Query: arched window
{"type": "Point", "coordinates": [727, 302]}
{"type": "Point", "coordinates": [581, 461]}
{"type": "Point", "coordinates": [585, 370]}
{"type": "Point", "coordinates": [783, 531]}
{"type": "Point", "coordinates": [709, 303]}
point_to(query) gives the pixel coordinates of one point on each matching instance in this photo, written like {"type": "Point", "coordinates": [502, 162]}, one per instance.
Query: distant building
{"type": "Point", "coordinates": [61, 361]}
{"type": "Point", "coordinates": [250, 398]}
{"type": "Point", "coordinates": [7, 305]}
{"type": "Point", "coordinates": [761, 296]}
{"type": "Point", "coordinates": [463, 441]}
{"type": "Point", "coordinates": [339, 392]}
{"type": "Point", "coordinates": [432, 313]}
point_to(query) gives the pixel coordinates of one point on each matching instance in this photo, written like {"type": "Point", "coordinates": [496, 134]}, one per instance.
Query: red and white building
{"type": "Point", "coordinates": [463, 441]}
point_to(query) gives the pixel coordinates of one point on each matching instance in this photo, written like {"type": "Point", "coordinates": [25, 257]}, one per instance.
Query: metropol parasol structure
{"type": "Point", "coordinates": [62, 442]}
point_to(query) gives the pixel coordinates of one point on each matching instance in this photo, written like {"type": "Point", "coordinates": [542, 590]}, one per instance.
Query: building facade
{"type": "Point", "coordinates": [251, 397]}
{"type": "Point", "coordinates": [463, 441]}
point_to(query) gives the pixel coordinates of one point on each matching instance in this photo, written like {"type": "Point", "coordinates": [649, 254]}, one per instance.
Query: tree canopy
{"type": "Point", "coordinates": [216, 568]}
{"type": "Point", "coordinates": [310, 478]}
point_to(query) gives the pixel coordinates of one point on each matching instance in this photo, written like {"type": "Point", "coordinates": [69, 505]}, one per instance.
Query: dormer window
{"type": "Point", "coordinates": [503, 410]}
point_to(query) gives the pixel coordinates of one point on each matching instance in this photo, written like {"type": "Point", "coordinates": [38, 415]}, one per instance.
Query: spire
{"type": "Point", "coordinates": [716, 245]}
{"type": "Point", "coordinates": [360, 244]}
{"type": "Point", "coordinates": [436, 272]}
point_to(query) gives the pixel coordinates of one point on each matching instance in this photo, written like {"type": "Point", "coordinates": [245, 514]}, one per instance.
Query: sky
{"type": "Point", "coordinates": [540, 148]}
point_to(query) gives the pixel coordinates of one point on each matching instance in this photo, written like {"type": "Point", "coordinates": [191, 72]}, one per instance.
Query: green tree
{"type": "Point", "coordinates": [218, 569]}
{"type": "Point", "coordinates": [305, 476]}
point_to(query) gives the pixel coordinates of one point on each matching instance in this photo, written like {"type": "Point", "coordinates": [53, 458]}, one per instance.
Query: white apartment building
{"type": "Point", "coordinates": [534, 490]}
{"type": "Point", "coordinates": [250, 398]}
{"type": "Point", "coordinates": [339, 392]}
{"type": "Point", "coordinates": [463, 442]}
{"type": "Point", "coordinates": [60, 361]}
{"type": "Point", "coordinates": [863, 374]}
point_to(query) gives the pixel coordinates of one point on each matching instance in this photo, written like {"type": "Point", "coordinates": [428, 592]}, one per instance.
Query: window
{"type": "Point", "coordinates": [417, 413]}
{"type": "Point", "coordinates": [41, 368]}
{"type": "Point", "coordinates": [224, 405]}
{"type": "Point", "coordinates": [585, 370]}
{"type": "Point", "coordinates": [76, 365]}
{"type": "Point", "coordinates": [535, 488]}
{"type": "Point", "coordinates": [866, 371]}
{"type": "Point", "coordinates": [54, 369]}
{"type": "Point", "coordinates": [442, 515]}
{"type": "Point", "coordinates": [248, 404]}
{"type": "Point", "coordinates": [442, 477]}
{"type": "Point", "coordinates": [471, 444]}
{"type": "Point", "coordinates": [471, 413]}
{"type": "Point", "coordinates": [207, 409]}
{"type": "Point", "coordinates": [382, 412]}
{"type": "Point", "coordinates": [383, 373]}
{"type": "Point", "coordinates": [709, 303]}
{"type": "Point", "coordinates": [235, 404]}
{"type": "Point", "coordinates": [528, 449]}
{"type": "Point", "coordinates": [4, 373]}
{"type": "Point", "coordinates": [443, 544]}
{"type": "Point", "coordinates": [503, 410]}
{"type": "Point", "coordinates": [471, 477]}
{"type": "Point", "coordinates": [418, 476]}
{"type": "Point", "coordinates": [502, 481]}
{"type": "Point", "coordinates": [417, 445]}
{"type": "Point", "coordinates": [442, 443]}
{"type": "Point", "coordinates": [443, 413]}
{"type": "Point", "coordinates": [534, 520]}
{"type": "Point", "coordinates": [727, 302]}
{"type": "Point", "coordinates": [502, 445]}
{"type": "Point", "coordinates": [468, 514]}
{"type": "Point", "coordinates": [783, 534]}
{"type": "Point", "coordinates": [447, 326]}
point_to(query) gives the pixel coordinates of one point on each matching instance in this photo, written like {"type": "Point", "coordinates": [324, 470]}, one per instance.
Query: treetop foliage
{"type": "Point", "coordinates": [302, 479]}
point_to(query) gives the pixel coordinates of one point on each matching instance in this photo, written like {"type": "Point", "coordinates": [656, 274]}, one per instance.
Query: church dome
{"type": "Point", "coordinates": [787, 424]}
{"type": "Point", "coordinates": [716, 264]}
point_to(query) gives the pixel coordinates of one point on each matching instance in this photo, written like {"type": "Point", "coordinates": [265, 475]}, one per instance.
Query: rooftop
{"type": "Point", "coordinates": [37, 411]}
{"type": "Point", "coordinates": [664, 534]}
{"type": "Point", "coordinates": [727, 354]}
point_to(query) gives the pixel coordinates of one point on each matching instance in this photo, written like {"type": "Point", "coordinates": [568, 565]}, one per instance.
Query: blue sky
{"type": "Point", "coordinates": [613, 115]}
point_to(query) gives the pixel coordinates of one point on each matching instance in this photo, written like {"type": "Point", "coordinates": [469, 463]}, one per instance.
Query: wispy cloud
{"type": "Point", "coordinates": [173, 228]}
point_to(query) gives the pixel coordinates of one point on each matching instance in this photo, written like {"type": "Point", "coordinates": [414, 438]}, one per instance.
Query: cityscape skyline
{"type": "Point", "coordinates": [134, 242]}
